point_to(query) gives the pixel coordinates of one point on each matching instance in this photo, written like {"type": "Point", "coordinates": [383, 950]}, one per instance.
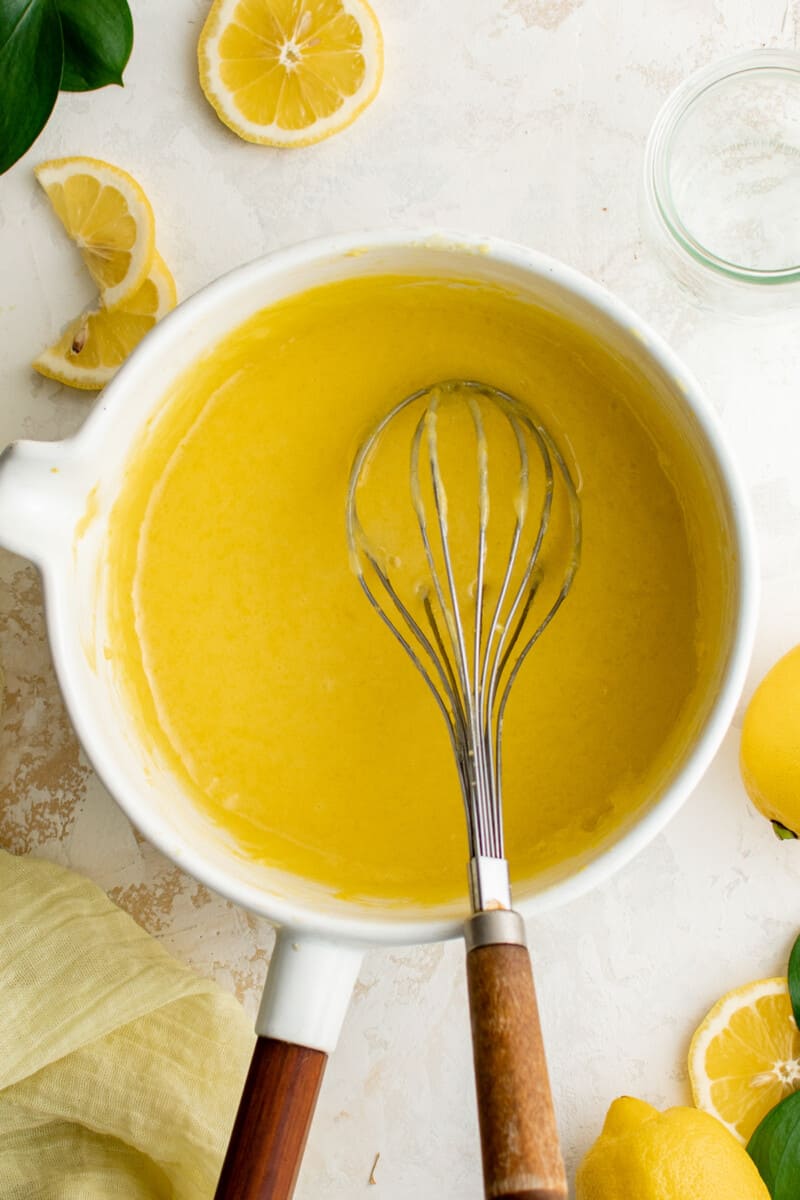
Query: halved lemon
{"type": "Point", "coordinates": [290, 72]}
{"type": "Point", "coordinates": [108, 216]}
{"type": "Point", "coordinates": [745, 1055]}
{"type": "Point", "coordinates": [95, 345]}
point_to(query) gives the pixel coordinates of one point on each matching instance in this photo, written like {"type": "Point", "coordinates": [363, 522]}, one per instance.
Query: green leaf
{"type": "Point", "coordinates": [782, 832]}
{"type": "Point", "coordinates": [794, 981]}
{"type": "Point", "coordinates": [98, 36]}
{"type": "Point", "coordinates": [775, 1148]}
{"type": "Point", "coordinates": [31, 59]}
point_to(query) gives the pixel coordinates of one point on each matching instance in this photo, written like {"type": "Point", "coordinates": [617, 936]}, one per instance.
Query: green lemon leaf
{"type": "Point", "coordinates": [775, 1148]}
{"type": "Point", "coordinates": [782, 832]}
{"type": "Point", "coordinates": [794, 981]}
{"type": "Point", "coordinates": [98, 36]}
{"type": "Point", "coordinates": [31, 59]}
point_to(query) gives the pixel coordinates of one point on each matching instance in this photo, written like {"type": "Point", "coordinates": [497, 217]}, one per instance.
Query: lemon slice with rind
{"type": "Point", "coordinates": [94, 346]}
{"type": "Point", "coordinates": [108, 217]}
{"type": "Point", "coordinates": [290, 72]}
{"type": "Point", "coordinates": [745, 1056]}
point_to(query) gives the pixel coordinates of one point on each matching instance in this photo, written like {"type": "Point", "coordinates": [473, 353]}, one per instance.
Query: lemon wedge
{"type": "Point", "coordinates": [108, 217]}
{"type": "Point", "coordinates": [290, 72]}
{"type": "Point", "coordinates": [94, 346]}
{"type": "Point", "coordinates": [745, 1056]}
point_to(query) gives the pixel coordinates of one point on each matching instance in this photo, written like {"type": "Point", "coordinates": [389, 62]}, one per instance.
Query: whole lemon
{"type": "Point", "coordinates": [770, 751]}
{"type": "Point", "coordinates": [680, 1154]}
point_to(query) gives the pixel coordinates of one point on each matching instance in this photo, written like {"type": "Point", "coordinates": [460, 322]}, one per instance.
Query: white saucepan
{"type": "Point", "coordinates": [55, 499]}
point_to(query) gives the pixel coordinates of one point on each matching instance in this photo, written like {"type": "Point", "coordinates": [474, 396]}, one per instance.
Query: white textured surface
{"type": "Point", "coordinates": [526, 119]}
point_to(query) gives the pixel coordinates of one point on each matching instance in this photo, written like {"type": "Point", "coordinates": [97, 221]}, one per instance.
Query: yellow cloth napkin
{"type": "Point", "coordinates": [120, 1070]}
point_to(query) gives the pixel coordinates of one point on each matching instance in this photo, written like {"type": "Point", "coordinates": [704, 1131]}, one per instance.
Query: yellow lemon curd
{"type": "Point", "coordinates": [255, 667]}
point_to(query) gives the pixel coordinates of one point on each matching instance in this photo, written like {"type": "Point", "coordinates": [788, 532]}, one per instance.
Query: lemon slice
{"type": "Point", "coordinates": [109, 218]}
{"type": "Point", "coordinates": [745, 1056]}
{"type": "Point", "coordinates": [290, 72]}
{"type": "Point", "coordinates": [95, 345]}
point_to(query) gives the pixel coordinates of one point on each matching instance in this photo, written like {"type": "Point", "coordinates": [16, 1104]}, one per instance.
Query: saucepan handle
{"type": "Point", "coordinates": [305, 999]}
{"type": "Point", "coordinates": [519, 1137]}
{"type": "Point", "coordinates": [36, 504]}
{"type": "Point", "coordinates": [271, 1127]}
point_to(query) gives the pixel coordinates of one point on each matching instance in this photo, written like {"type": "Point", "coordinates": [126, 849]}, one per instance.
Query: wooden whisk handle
{"type": "Point", "coordinates": [519, 1138]}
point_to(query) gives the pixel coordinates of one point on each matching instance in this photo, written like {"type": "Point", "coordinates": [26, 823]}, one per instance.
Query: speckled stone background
{"type": "Point", "coordinates": [527, 119]}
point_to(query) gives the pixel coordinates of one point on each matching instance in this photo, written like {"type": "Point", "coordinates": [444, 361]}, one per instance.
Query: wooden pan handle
{"type": "Point", "coordinates": [271, 1126]}
{"type": "Point", "coordinates": [519, 1138]}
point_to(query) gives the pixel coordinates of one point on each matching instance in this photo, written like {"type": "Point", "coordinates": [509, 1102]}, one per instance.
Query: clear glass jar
{"type": "Point", "coordinates": [722, 182]}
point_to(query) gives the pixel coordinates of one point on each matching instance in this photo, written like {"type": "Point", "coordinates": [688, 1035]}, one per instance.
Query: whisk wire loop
{"type": "Point", "coordinates": [471, 677]}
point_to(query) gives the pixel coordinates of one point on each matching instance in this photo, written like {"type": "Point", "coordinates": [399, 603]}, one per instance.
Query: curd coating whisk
{"type": "Point", "coordinates": [477, 583]}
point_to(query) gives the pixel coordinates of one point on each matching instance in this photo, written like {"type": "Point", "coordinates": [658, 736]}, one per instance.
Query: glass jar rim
{"type": "Point", "coordinates": [659, 146]}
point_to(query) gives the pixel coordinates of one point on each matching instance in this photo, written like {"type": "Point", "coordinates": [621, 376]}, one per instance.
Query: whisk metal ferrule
{"type": "Point", "coordinates": [489, 884]}
{"type": "Point", "coordinates": [496, 927]}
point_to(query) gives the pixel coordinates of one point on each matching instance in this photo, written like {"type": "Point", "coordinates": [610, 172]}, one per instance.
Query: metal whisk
{"type": "Point", "coordinates": [468, 601]}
